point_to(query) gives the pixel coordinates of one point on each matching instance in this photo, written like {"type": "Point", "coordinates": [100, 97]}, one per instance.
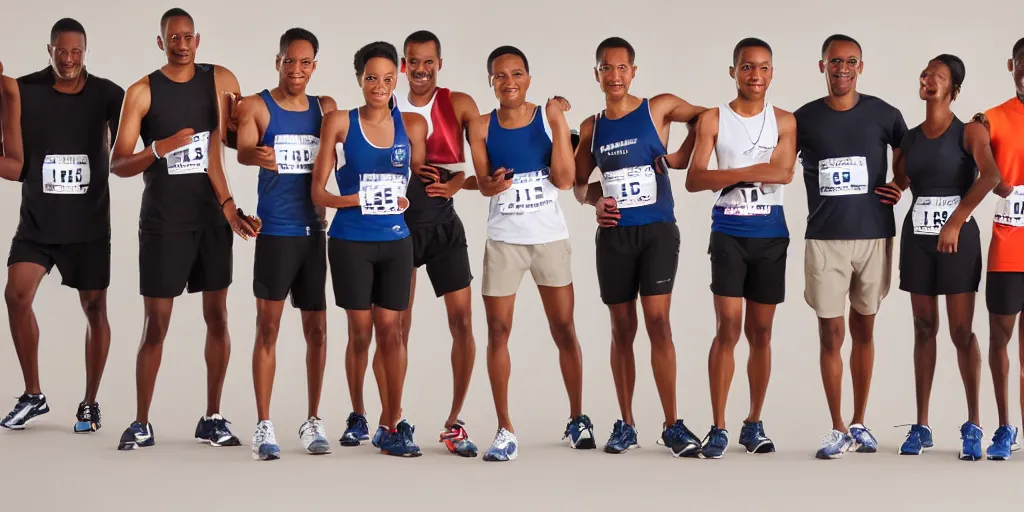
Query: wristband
{"type": "Point", "coordinates": [153, 147]}
{"type": "Point", "coordinates": [226, 201]}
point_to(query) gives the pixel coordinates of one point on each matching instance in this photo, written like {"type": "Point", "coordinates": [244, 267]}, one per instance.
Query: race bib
{"type": "Point", "coordinates": [296, 153]}
{"type": "Point", "coordinates": [631, 187]}
{"type": "Point", "coordinates": [750, 200]}
{"type": "Point", "coordinates": [843, 176]}
{"type": "Point", "coordinates": [379, 193]}
{"type": "Point", "coordinates": [191, 158]}
{"type": "Point", "coordinates": [1010, 210]}
{"type": "Point", "coordinates": [931, 213]}
{"type": "Point", "coordinates": [66, 174]}
{"type": "Point", "coordinates": [530, 192]}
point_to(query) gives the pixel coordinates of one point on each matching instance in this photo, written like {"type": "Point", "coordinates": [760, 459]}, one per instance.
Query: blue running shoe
{"type": "Point", "coordinates": [88, 417]}
{"type": "Point", "coordinates": [406, 431]}
{"type": "Point", "coordinates": [863, 440]}
{"type": "Point", "coordinates": [1002, 443]}
{"type": "Point", "coordinates": [356, 430]}
{"type": "Point", "coordinates": [834, 445]}
{"type": "Point", "coordinates": [214, 430]}
{"type": "Point", "coordinates": [971, 435]}
{"type": "Point", "coordinates": [681, 440]}
{"type": "Point", "coordinates": [580, 433]}
{"type": "Point", "coordinates": [623, 438]}
{"type": "Point", "coordinates": [753, 438]}
{"type": "Point", "coordinates": [505, 447]}
{"type": "Point", "coordinates": [399, 443]}
{"type": "Point", "coordinates": [715, 444]}
{"type": "Point", "coordinates": [918, 439]}
{"type": "Point", "coordinates": [378, 435]}
{"type": "Point", "coordinates": [28, 408]}
{"type": "Point", "coordinates": [137, 435]}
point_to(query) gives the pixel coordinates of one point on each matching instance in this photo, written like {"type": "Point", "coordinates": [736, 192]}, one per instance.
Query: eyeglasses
{"type": "Point", "coordinates": [837, 62]}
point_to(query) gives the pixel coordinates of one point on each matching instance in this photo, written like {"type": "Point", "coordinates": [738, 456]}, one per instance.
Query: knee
{"type": "Point", "coordinates": [925, 330]}
{"type": "Point", "coordinates": [268, 330]}
{"type": "Point", "coordinates": [216, 319]}
{"type": "Point", "coordinates": [17, 300]}
{"type": "Point", "coordinates": [359, 339]}
{"type": "Point", "coordinates": [498, 332]}
{"type": "Point", "coordinates": [759, 336]}
{"type": "Point", "coordinates": [832, 337]}
{"type": "Point", "coordinates": [316, 335]}
{"type": "Point", "coordinates": [389, 336]}
{"type": "Point", "coordinates": [461, 326]}
{"type": "Point", "coordinates": [659, 329]}
{"type": "Point", "coordinates": [728, 334]}
{"type": "Point", "coordinates": [962, 335]}
{"type": "Point", "coordinates": [94, 306]}
{"type": "Point", "coordinates": [564, 334]}
{"type": "Point", "coordinates": [157, 323]}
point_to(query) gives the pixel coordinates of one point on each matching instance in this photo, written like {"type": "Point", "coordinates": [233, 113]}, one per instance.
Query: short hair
{"type": "Point", "coordinates": [374, 50]}
{"type": "Point", "coordinates": [749, 42]}
{"type": "Point", "coordinates": [506, 50]}
{"type": "Point", "coordinates": [615, 42]}
{"type": "Point", "coordinates": [1018, 47]}
{"type": "Point", "coordinates": [299, 34]}
{"type": "Point", "coordinates": [957, 70]}
{"type": "Point", "coordinates": [422, 36]}
{"type": "Point", "coordinates": [839, 37]}
{"type": "Point", "coordinates": [174, 12]}
{"type": "Point", "coordinates": [66, 25]}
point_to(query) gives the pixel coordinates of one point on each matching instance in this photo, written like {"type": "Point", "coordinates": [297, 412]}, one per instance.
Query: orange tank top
{"type": "Point", "coordinates": [1006, 129]}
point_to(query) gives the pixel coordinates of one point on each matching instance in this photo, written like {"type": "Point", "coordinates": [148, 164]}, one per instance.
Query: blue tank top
{"type": "Point", "coordinates": [624, 150]}
{"type": "Point", "coordinates": [380, 176]}
{"type": "Point", "coordinates": [507, 147]}
{"type": "Point", "coordinates": [285, 205]}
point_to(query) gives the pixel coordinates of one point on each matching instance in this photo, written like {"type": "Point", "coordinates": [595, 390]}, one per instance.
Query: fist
{"type": "Point", "coordinates": [182, 138]}
{"type": "Point", "coordinates": [558, 103]}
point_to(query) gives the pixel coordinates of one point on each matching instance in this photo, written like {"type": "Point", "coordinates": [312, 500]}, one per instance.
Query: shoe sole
{"type": "Point", "coordinates": [257, 456]}
{"type": "Point", "coordinates": [230, 442]}
{"type": "Point", "coordinates": [613, 451]}
{"type": "Point", "coordinates": [765, 447]}
{"type": "Point", "coordinates": [85, 427]}
{"type": "Point", "coordinates": [319, 448]}
{"type": "Point", "coordinates": [403, 455]}
{"type": "Point", "coordinates": [22, 425]}
{"type": "Point", "coordinates": [692, 451]}
{"type": "Point", "coordinates": [586, 443]}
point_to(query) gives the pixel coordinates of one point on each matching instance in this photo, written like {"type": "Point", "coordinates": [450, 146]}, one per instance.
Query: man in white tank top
{"type": "Point", "coordinates": [755, 146]}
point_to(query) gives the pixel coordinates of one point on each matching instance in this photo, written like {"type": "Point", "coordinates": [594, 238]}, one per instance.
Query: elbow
{"type": "Point", "coordinates": [318, 198]}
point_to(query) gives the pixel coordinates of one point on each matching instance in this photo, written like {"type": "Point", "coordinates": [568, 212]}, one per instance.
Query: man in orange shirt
{"type": "Point", "coordinates": [1004, 294]}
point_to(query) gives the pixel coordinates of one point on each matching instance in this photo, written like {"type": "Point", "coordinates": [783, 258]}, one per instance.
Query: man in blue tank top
{"type": "Point", "coordinates": [754, 144]}
{"type": "Point", "coordinates": [637, 238]}
{"type": "Point", "coordinates": [370, 250]}
{"type": "Point", "coordinates": [182, 114]}
{"type": "Point", "coordinates": [279, 132]}
{"type": "Point", "coordinates": [522, 154]}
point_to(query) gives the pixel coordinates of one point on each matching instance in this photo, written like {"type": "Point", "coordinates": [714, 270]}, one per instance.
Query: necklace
{"type": "Point", "coordinates": [753, 143]}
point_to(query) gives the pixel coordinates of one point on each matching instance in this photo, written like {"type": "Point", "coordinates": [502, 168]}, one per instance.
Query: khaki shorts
{"type": "Point", "coordinates": [504, 266]}
{"type": "Point", "coordinates": [834, 269]}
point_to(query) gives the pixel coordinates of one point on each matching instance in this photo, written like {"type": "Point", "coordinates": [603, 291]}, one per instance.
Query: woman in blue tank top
{"type": "Point", "coordinates": [370, 250]}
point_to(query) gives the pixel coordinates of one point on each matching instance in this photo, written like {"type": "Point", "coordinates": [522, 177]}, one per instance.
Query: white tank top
{"type": "Point", "coordinates": [743, 142]}
{"type": "Point", "coordinates": [405, 106]}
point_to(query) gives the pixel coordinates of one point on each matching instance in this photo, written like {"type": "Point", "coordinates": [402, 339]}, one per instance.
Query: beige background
{"type": "Point", "coordinates": [683, 48]}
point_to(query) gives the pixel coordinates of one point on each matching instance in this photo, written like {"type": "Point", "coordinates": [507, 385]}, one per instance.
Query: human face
{"type": "Point", "coordinates": [1016, 66]}
{"type": "Point", "coordinates": [421, 64]}
{"type": "Point", "coordinates": [380, 75]}
{"type": "Point", "coordinates": [510, 80]}
{"type": "Point", "coordinates": [179, 41]}
{"type": "Point", "coordinates": [842, 65]}
{"type": "Point", "coordinates": [936, 82]}
{"type": "Point", "coordinates": [295, 66]}
{"type": "Point", "coordinates": [67, 55]}
{"type": "Point", "coordinates": [615, 73]}
{"type": "Point", "coordinates": [753, 72]}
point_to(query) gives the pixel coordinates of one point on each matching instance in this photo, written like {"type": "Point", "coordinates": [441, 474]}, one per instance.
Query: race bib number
{"type": "Point", "coordinates": [750, 200]}
{"type": "Point", "coordinates": [1010, 210]}
{"type": "Point", "coordinates": [296, 153]}
{"type": "Point", "coordinates": [631, 187]}
{"type": "Point", "coordinates": [843, 176]}
{"type": "Point", "coordinates": [931, 213]}
{"type": "Point", "coordinates": [191, 158]}
{"type": "Point", "coordinates": [379, 193]}
{"type": "Point", "coordinates": [66, 174]}
{"type": "Point", "coordinates": [530, 192]}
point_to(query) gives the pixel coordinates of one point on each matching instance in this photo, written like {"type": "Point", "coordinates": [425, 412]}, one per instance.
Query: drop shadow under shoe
{"type": "Point", "coordinates": [681, 440]}
{"type": "Point", "coordinates": [970, 436]}
{"type": "Point", "coordinates": [754, 440]}
{"type": "Point", "coordinates": [88, 418]}
{"type": "Point", "coordinates": [456, 439]}
{"type": "Point", "coordinates": [28, 408]}
{"type": "Point", "coordinates": [136, 436]}
{"type": "Point", "coordinates": [622, 439]}
{"type": "Point", "coordinates": [580, 433]}
{"type": "Point", "coordinates": [214, 430]}
{"type": "Point", "coordinates": [356, 430]}
{"type": "Point", "coordinates": [919, 438]}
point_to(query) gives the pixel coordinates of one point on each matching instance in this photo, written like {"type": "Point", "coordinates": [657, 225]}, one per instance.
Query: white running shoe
{"type": "Point", "coordinates": [314, 437]}
{"type": "Point", "coordinates": [264, 443]}
{"type": "Point", "coordinates": [504, 448]}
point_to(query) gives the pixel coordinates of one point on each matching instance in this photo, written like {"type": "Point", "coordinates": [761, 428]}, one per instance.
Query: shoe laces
{"type": "Point", "coordinates": [970, 432]}
{"type": "Point", "coordinates": [264, 433]}
{"type": "Point", "coordinates": [405, 430]}
{"type": "Point", "coordinates": [456, 432]}
{"type": "Point", "coordinates": [503, 436]}
{"type": "Point", "coordinates": [312, 426]}
{"type": "Point", "coordinates": [355, 420]}
{"type": "Point", "coordinates": [220, 425]}
{"type": "Point", "coordinates": [1003, 435]}
{"type": "Point", "coordinates": [88, 412]}
{"type": "Point", "coordinates": [716, 436]}
{"type": "Point", "coordinates": [677, 431]}
{"type": "Point", "coordinates": [833, 437]}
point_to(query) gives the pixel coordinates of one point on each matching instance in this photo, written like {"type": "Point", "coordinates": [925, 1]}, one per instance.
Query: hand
{"type": "Point", "coordinates": [890, 192]}
{"type": "Point", "coordinates": [949, 236]}
{"type": "Point", "coordinates": [232, 101]}
{"type": "Point", "coordinates": [661, 164]}
{"type": "Point", "coordinates": [243, 225]}
{"type": "Point", "coordinates": [403, 204]}
{"type": "Point", "coordinates": [266, 157]}
{"type": "Point", "coordinates": [495, 183]}
{"type": "Point", "coordinates": [182, 138]}
{"type": "Point", "coordinates": [558, 103]}
{"type": "Point", "coordinates": [442, 190]}
{"type": "Point", "coordinates": [428, 174]}
{"type": "Point", "coordinates": [1003, 190]}
{"type": "Point", "coordinates": [608, 214]}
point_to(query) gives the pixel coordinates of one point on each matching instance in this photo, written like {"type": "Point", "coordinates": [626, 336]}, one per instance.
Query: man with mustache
{"type": "Point", "coordinates": [57, 127]}
{"type": "Point", "coordinates": [842, 140]}
{"type": "Point", "coordinates": [755, 146]}
{"type": "Point", "coordinates": [279, 132]}
{"type": "Point", "coordinates": [181, 112]}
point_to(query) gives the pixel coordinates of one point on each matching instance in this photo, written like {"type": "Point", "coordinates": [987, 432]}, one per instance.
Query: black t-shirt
{"type": "Point", "coordinates": [64, 194]}
{"type": "Point", "coordinates": [844, 159]}
{"type": "Point", "coordinates": [941, 171]}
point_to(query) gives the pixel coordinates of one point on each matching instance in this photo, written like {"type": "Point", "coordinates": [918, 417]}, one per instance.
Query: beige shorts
{"type": "Point", "coordinates": [834, 269]}
{"type": "Point", "coordinates": [504, 266]}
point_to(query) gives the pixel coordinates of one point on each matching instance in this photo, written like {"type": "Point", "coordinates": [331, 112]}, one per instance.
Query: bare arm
{"type": "Point", "coordinates": [253, 118]}
{"type": "Point", "coordinates": [669, 108]}
{"type": "Point", "coordinates": [978, 144]}
{"type": "Point", "coordinates": [899, 170]}
{"type": "Point", "coordinates": [12, 150]}
{"type": "Point", "coordinates": [229, 94]}
{"type": "Point", "coordinates": [778, 170]}
{"type": "Point", "coordinates": [585, 162]}
{"type": "Point", "coordinates": [416, 130]}
{"type": "Point", "coordinates": [124, 161]}
{"type": "Point", "coordinates": [563, 165]}
{"type": "Point", "coordinates": [333, 130]}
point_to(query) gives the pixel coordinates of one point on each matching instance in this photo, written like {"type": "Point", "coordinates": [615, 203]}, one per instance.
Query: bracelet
{"type": "Point", "coordinates": [226, 201]}
{"type": "Point", "coordinates": [153, 147]}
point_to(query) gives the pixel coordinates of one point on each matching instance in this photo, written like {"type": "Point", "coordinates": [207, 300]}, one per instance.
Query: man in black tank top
{"type": "Point", "coordinates": [58, 123]}
{"type": "Point", "coordinates": [181, 112]}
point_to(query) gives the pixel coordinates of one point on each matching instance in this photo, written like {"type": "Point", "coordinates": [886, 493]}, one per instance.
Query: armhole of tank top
{"type": "Point", "coordinates": [593, 132]}
{"type": "Point", "coordinates": [339, 154]}
{"type": "Point", "coordinates": [544, 121]}
{"type": "Point", "coordinates": [319, 106]}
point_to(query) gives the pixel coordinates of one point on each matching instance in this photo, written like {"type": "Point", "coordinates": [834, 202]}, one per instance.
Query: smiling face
{"type": "Point", "coordinates": [753, 72]}
{"type": "Point", "coordinates": [510, 80]}
{"type": "Point", "coordinates": [179, 41]}
{"type": "Point", "coordinates": [295, 66]}
{"type": "Point", "coordinates": [67, 55]}
{"type": "Point", "coordinates": [378, 81]}
{"type": "Point", "coordinates": [422, 63]}
{"type": "Point", "coordinates": [615, 73]}
{"type": "Point", "coordinates": [841, 65]}
{"type": "Point", "coordinates": [936, 82]}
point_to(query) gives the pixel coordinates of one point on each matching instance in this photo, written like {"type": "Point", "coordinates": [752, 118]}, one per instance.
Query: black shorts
{"type": "Point", "coordinates": [1004, 292]}
{"type": "Point", "coordinates": [926, 271]}
{"type": "Point", "coordinates": [295, 265]}
{"type": "Point", "coordinates": [752, 268]}
{"type": "Point", "coordinates": [201, 259]}
{"type": "Point", "coordinates": [636, 259]}
{"type": "Point", "coordinates": [443, 249]}
{"type": "Point", "coordinates": [84, 266]}
{"type": "Point", "coordinates": [368, 274]}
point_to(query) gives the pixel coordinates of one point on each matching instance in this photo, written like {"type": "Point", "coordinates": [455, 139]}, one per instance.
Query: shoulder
{"type": "Point", "coordinates": [10, 87]}
{"type": "Point", "coordinates": [110, 89]}
{"type": "Point", "coordinates": [252, 104]}
{"type": "Point", "coordinates": [879, 105]}
{"type": "Point", "coordinates": [223, 75]}
{"type": "Point", "coordinates": [327, 104]}
{"type": "Point", "coordinates": [708, 116]}
{"type": "Point", "coordinates": [336, 118]}
{"type": "Point", "coordinates": [414, 120]}
{"type": "Point", "coordinates": [809, 108]}
{"type": "Point", "coordinates": [784, 118]}
{"type": "Point", "coordinates": [138, 90]}
{"type": "Point", "coordinates": [480, 123]}
{"type": "Point", "coordinates": [588, 124]}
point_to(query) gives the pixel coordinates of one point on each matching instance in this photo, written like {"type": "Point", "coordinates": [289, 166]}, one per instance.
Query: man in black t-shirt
{"type": "Point", "coordinates": [842, 140]}
{"type": "Point", "coordinates": [57, 128]}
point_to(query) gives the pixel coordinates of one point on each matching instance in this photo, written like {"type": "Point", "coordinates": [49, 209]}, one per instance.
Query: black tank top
{"type": "Point", "coordinates": [939, 170]}
{"type": "Point", "coordinates": [64, 194]}
{"type": "Point", "coordinates": [179, 196]}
